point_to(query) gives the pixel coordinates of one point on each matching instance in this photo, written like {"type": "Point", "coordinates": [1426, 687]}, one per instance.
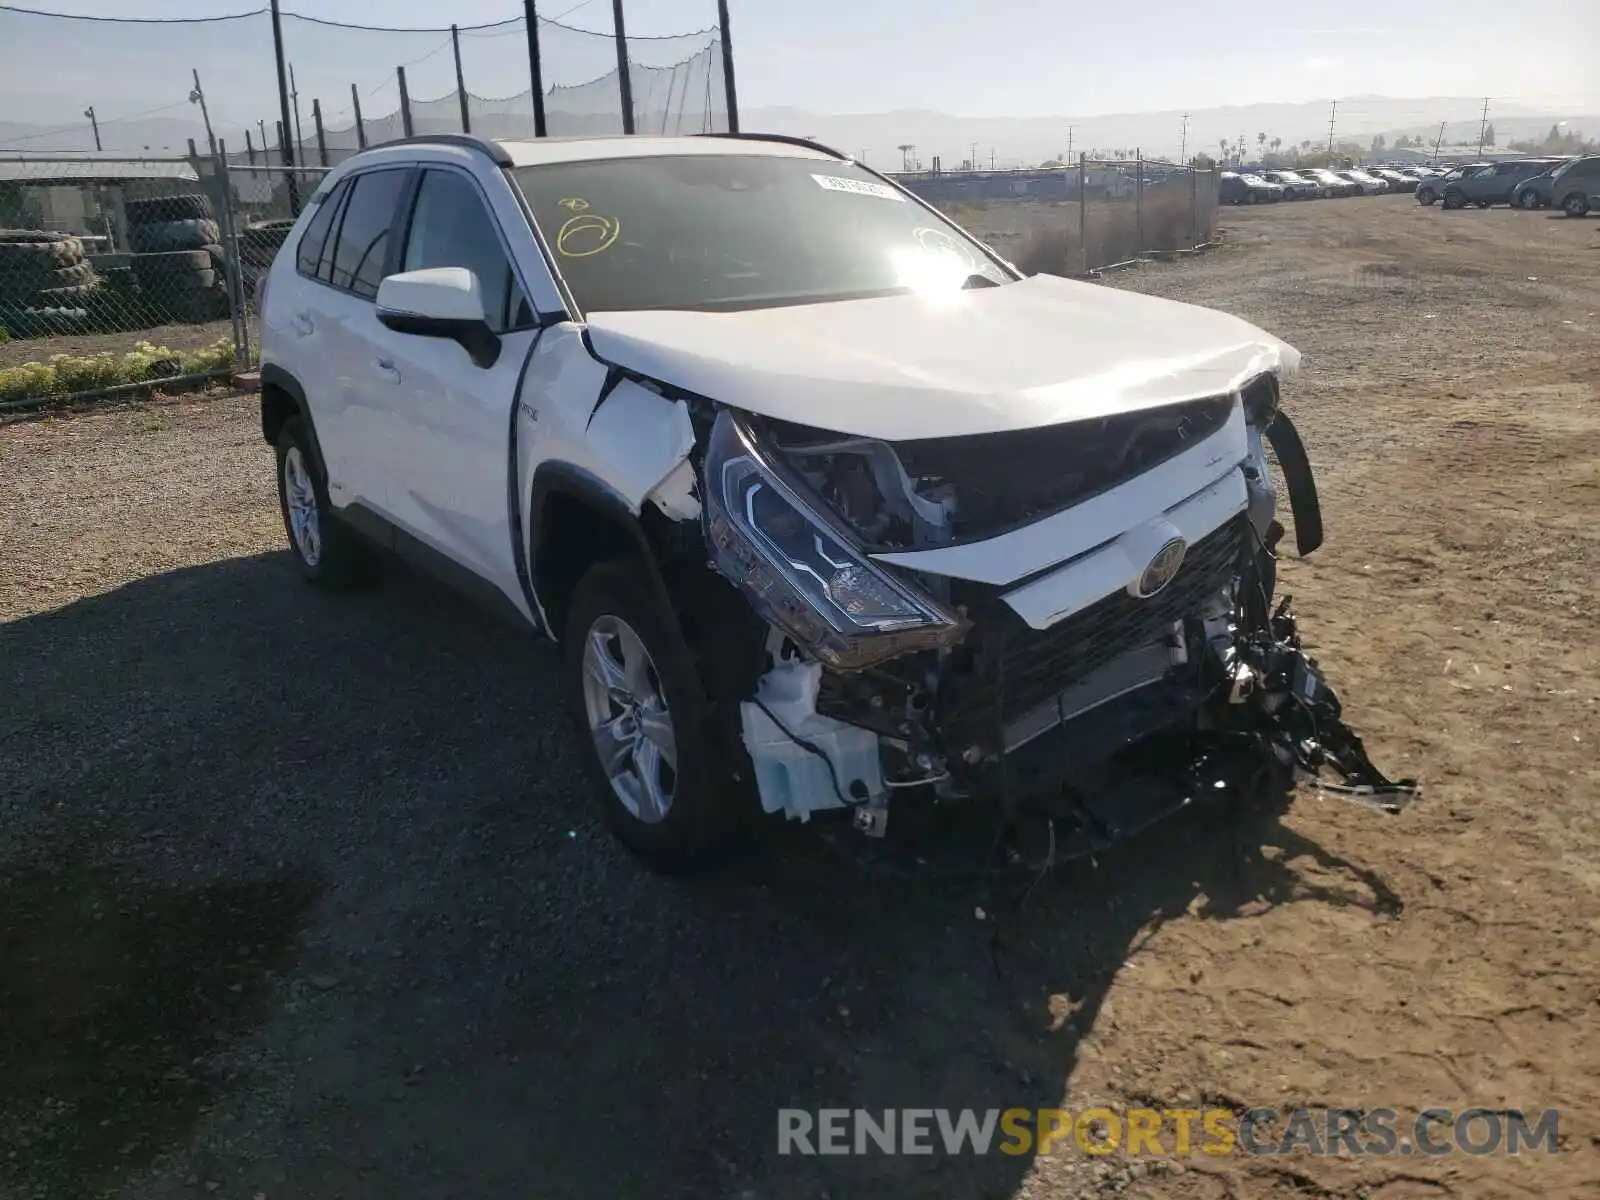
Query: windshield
{"type": "Point", "coordinates": [729, 231]}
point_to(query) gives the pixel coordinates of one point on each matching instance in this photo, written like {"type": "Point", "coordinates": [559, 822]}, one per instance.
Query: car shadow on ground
{"type": "Point", "coordinates": [327, 869]}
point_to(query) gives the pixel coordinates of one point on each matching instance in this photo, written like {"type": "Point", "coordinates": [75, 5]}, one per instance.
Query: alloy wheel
{"type": "Point", "coordinates": [305, 525]}
{"type": "Point", "coordinates": [629, 720]}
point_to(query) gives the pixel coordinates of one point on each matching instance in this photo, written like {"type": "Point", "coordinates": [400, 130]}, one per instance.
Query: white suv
{"type": "Point", "coordinates": [826, 503]}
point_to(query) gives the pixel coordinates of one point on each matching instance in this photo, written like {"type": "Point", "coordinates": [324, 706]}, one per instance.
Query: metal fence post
{"type": "Point", "coordinates": [405, 104]}
{"type": "Point", "coordinates": [1138, 198]}
{"type": "Point", "coordinates": [322, 139]}
{"type": "Point", "coordinates": [530, 18]}
{"type": "Point", "coordinates": [361, 126]}
{"type": "Point", "coordinates": [249, 148]}
{"type": "Point", "coordinates": [1194, 207]}
{"type": "Point", "coordinates": [283, 111]}
{"type": "Point", "coordinates": [231, 259]}
{"type": "Point", "coordinates": [726, 35]}
{"type": "Point", "coordinates": [461, 83]}
{"type": "Point", "coordinates": [1083, 210]}
{"type": "Point", "coordinates": [624, 80]}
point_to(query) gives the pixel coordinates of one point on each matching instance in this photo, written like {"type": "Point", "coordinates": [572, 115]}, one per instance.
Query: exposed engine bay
{"type": "Point", "coordinates": [987, 617]}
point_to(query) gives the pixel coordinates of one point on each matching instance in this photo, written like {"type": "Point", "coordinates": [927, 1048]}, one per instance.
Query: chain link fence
{"type": "Point", "coordinates": [113, 274]}
{"type": "Point", "coordinates": [1093, 216]}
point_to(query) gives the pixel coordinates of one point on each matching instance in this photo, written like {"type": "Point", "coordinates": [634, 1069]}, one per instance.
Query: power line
{"type": "Point", "coordinates": [30, 137]}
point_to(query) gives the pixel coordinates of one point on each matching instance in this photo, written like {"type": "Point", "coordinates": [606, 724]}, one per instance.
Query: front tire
{"type": "Point", "coordinates": [1576, 205]}
{"type": "Point", "coordinates": [642, 716]}
{"type": "Point", "coordinates": [1528, 200]}
{"type": "Point", "coordinates": [1454, 200]}
{"type": "Point", "coordinates": [327, 553]}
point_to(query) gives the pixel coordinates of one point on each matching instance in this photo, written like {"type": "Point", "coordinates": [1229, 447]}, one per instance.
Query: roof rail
{"type": "Point", "coordinates": [784, 138]}
{"type": "Point", "coordinates": [467, 141]}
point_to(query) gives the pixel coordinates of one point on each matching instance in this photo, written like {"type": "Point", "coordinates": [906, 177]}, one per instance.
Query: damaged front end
{"type": "Point", "coordinates": [993, 616]}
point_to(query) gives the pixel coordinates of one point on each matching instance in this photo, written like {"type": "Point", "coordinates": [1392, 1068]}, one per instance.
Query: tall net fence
{"type": "Point", "coordinates": [1084, 218]}
{"type": "Point", "coordinates": [149, 87]}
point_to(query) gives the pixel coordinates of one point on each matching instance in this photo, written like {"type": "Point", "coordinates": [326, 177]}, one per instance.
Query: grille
{"type": "Point", "coordinates": [1007, 479]}
{"type": "Point", "coordinates": [1037, 664]}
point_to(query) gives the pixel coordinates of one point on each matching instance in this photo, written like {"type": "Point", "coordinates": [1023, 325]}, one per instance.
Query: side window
{"type": "Point", "coordinates": [452, 227]}
{"type": "Point", "coordinates": [316, 235]}
{"type": "Point", "coordinates": [363, 239]}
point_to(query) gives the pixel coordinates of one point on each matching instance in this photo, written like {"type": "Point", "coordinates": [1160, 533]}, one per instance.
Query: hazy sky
{"type": "Point", "coordinates": [966, 57]}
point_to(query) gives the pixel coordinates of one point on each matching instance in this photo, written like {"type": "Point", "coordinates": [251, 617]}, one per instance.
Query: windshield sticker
{"type": "Point", "coordinates": [858, 187]}
{"type": "Point", "coordinates": [586, 234]}
{"type": "Point", "coordinates": [574, 203]}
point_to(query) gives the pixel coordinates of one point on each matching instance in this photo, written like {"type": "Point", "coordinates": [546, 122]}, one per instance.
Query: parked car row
{"type": "Point", "coordinates": [1310, 183]}
{"type": "Point", "coordinates": [1569, 184]}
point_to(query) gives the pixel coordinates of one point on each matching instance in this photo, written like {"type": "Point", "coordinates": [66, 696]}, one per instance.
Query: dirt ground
{"type": "Point", "coordinates": [303, 897]}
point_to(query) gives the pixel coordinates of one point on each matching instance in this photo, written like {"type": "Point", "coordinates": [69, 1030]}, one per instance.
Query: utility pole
{"type": "Point", "coordinates": [1238, 150]}
{"type": "Point", "coordinates": [1183, 139]}
{"type": "Point", "coordinates": [1483, 126]}
{"type": "Point", "coordinates": [198, 96]}
{"type": "Point", "coordinates": [991, 159]}
{"type": "Point", "coordinates": [1069, 145]}
{"type": "Point", "coordinates": [972, 163]}
{"type": "Point", "coordinates": [1439, 141]}
{"type": "Point", "coordinates": [1332, 113]}
{"type": "Point", "coordinates": [95, 125]}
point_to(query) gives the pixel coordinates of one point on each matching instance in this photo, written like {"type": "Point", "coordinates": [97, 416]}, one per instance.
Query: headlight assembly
{"type": "Point", "coordinates": [799, 568]}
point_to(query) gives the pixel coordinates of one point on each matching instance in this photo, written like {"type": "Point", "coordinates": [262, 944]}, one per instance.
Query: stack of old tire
{"type": "Point", "coordinates": [177, 260]}
{"type": "Point", "coordinates": [258, 246]}
{"type": "Point", "coordinates": [45, 283]}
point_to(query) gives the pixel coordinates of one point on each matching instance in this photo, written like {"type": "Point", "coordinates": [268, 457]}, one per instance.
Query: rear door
{"type": "Point", "coordinates": [447, 420]}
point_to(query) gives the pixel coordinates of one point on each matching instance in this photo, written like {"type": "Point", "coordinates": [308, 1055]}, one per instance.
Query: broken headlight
{"type": "Point", "coordinates": [801, 570]}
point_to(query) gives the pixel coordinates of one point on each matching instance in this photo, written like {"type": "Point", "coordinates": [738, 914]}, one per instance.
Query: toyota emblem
{"type": "Point", "coordinates": [1162, 568]}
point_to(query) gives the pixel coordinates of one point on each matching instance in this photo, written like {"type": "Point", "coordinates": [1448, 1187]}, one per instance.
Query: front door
{"type": "Point", "coordinates": [449, 420]}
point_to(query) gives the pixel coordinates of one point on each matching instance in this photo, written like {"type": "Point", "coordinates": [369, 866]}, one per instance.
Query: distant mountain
{"type": "Point", "coordinates": [1009, 140]}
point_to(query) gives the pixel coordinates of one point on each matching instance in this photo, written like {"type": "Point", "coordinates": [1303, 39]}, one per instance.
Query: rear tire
{"type": "Point", "coordinates": [633, 689]}
{"type": "Point", "coordinates": [1426, 196]}
{"type": "Point", "coordinates": [327, 552]}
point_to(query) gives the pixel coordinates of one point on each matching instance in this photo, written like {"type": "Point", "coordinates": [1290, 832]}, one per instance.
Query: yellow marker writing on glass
{"type": "Point", "coordinates": [586, 234]}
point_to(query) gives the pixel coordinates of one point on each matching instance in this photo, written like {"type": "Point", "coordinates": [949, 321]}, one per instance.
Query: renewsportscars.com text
{"type": "Point", "coordinates": [1167, 1132]}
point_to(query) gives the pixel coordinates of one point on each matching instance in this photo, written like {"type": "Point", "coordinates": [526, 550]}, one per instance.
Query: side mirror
{"type": "Point", "coordinates": [442, 302]}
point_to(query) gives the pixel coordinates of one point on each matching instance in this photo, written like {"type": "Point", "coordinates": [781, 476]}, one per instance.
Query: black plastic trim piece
{"type": "Point", "coordinates": [553, 478]}
{"type": "Point", "coordinates": [272, 375]}
{"type": "Point", "coordinates": [387, 535]}
{"type": "Point", "coordinates": [1285, 441]}
{"type": "Point", "coordinates": [519, 545]}
{"type": "Point", "coordinates": [466, 141]}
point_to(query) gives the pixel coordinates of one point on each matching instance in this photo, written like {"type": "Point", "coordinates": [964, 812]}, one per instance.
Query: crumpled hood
{"type": "Point", "coordinates": [1038, 352]}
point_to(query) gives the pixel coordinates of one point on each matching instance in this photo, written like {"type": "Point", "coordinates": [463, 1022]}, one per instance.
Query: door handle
{"type": "Point", "coordinates": [387, 367]}
{"type": "Point", "coordinates": [303, 325]}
